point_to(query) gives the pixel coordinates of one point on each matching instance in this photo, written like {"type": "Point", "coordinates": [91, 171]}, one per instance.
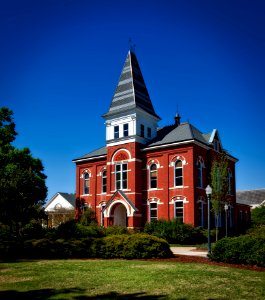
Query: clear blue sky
{"type": "Point", "coordinates": [60, 62]}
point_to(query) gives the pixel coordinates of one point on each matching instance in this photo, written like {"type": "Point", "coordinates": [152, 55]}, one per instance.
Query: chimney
{"type": "Point", "coordinates": [177, 119]}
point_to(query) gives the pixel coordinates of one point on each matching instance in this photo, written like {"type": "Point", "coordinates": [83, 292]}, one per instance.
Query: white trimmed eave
{"type": "Point", "coordinates": [176, 144]}
{"type": "Point", "coordinates": [89, 158]}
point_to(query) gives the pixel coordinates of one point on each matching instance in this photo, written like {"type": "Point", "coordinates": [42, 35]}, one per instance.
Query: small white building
{"type": "Point", "coordinates": [60, 208]}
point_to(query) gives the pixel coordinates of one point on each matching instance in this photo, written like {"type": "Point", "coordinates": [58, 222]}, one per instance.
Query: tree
{"type": "Point", "coordinates": [258, 216]}
{"type": "Point", "coordinates": [22, 181]}
{"type": "Point", "coordinates": [219, 183]}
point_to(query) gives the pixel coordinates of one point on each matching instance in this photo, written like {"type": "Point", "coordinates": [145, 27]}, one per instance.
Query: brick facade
{"type": "Point", "coordinates": [145, 173]}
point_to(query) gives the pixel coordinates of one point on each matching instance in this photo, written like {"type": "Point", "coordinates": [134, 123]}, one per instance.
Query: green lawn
{"type": "Point", "coordinates": [126, 279]}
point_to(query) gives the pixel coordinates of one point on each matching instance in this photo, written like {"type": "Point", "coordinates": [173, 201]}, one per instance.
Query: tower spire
{"type": "Point", "coordinates": [131, 91]}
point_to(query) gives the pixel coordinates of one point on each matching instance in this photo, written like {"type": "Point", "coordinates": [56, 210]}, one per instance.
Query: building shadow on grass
{"type": "Point", "coordinates": [76, 294]}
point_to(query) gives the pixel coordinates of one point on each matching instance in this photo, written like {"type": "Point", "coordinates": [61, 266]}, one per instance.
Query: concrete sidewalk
{"type": "Point", "coordinates": [191, 251]}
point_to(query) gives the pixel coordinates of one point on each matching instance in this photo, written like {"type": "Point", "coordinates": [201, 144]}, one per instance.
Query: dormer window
{"type": "Point", "coordinates": [125, 129]}
{"type": "Point", "coordinates": [116, 132]}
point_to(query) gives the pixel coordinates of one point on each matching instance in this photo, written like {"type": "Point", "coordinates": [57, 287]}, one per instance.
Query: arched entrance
{"type": "Point", "coordinates": [120, 215]}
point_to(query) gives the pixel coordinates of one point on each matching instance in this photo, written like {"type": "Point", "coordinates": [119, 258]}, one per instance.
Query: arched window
{"type": "Point", "coordinates": [102, 214]}
{"type": "Point", "coordinates": [153, 211]}
{"type": "Point", "coordinates": [153, 176]}
{"type": "Point", "coordinates": [200, 166]}
{"type": "Point", "coordinates": [179, 210]}
{"type": "Point", "coordinates": [178, 173]}
{"type": "Point", "coordinates": [86, 183]}
{"type": "Point", "coordinates": [104, 181]}
{"type": "Point", "coordinates": [229, 181]}
{"type": "Point", "coordinates": [201, 207]}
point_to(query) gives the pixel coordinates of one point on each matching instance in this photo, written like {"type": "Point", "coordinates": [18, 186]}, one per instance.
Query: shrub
{"type": "Point", "coordinates": [257, 231]}
{"type": "Point", "coordinates": [88, 217]}
{"type": "Point", "coordinates": [112, 230]}
{"type": "Point", "coordinates": [146, 246]}
{"type": "Point", "coordinates": [245, 249]}
{"type": "Point", "coordinates": [134, 246]}
{"type": "Point", "coordinates": [258, 216]}
{"type": "Point", "coordinates": [33, 230]}
{"type": "Point", "coordinates": [175, 232]}
{"type": "Point", "coordinates": [73, 230]}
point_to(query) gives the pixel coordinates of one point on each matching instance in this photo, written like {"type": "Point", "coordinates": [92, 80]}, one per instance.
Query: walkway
{"type": "Point", "coordinates": [191, 251]}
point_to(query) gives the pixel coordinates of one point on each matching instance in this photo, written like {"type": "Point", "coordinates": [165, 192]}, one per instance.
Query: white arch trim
{"type": "Point", "coordinates": [119, 150]}
{"type": "Point", "coordinates": [108, 210]}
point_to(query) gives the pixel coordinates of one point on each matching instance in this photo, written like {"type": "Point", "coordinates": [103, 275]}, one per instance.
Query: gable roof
{"type": "Point", "coordinates": [251, 197]}
{"type": "Point", "coordinates": [131, 91]}
{"type": "Point", "coordinates": [68, 197]}
{"type": "Point", "coordinates": [124, 197]}
{"type": "Point", "coordinates": [184, 132]}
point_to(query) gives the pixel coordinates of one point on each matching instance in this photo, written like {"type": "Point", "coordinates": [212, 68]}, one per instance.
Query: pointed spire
{"type": "Point", "coordinates": [131, 91]}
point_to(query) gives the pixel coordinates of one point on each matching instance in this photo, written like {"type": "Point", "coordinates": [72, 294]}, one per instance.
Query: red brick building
{"type": "Point", "coordinates": [144, 172]}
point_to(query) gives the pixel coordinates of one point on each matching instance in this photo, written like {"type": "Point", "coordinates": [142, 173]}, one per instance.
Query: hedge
{"type": "Point", "coordinates": [245, 249]}
{"type": "Point", "coordinates": [176, 232]}
{"type": "Point", "coordinates": [115, 246]}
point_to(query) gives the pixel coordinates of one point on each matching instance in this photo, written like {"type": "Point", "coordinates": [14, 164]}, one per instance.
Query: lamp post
{"type": "Point", "coordinates": [208, 194]}
{"type": "Point", "coordinates": [226, 208]}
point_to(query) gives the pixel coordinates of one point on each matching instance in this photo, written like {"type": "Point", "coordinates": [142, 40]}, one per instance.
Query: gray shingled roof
{"type": "Point", "coordinates": [165, 136]}
{"type": "Point", "coordinates": [131, 91]}
{"type": "Point", "coordinates": [251, 197]}
{"type": "Point", "coordinates": [172, 134]}
{"type": "Point", "coordinates": [69, 197]}
{"type": "Point", "coordinates": [98, 152]}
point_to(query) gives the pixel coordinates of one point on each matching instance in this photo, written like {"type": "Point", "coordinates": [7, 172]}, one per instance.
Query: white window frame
{"type": "Point", "coordinates": [122, 173]}
{"type": "Point", "coordinates": [150, 176]}
{"type": "Point", "coordinates": [104, 185]}
{"type": "Point", "coordinates": [85, 183]}
{"type": "Point", "coordinates": [182, 179]}
{"type": "Point", "coordinates": [153, 209]}
{"type": "Point", "coordinates": [175, 209]}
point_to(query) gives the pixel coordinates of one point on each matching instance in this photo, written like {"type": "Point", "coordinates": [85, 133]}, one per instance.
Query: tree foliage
{"type": "Point", "coordinates": [219, 183]}
{"type": "Point", "coordinates": [258, 215]}
{"type": "Point", "coordinates": [22, 181]}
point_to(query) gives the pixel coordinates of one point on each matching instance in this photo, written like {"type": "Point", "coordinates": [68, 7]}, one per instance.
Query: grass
{"type": "Point", "coordinates": [126, 279]}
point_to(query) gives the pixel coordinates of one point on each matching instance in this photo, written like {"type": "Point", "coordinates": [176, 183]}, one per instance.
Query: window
{"type": "Point", "coordinates": [104, 181]}
{"type": "Point", "coordinates": [142, 130]}
{"type": "Point", "coordinates": [149, 133]}
{"type": "Point", "coordinates": [153, 211]}
{"type": "Point", "coordinates": [86, 183]}
{"type": "Point", "coordinates": [116, 132]}
{"type": "Point", "coordinates": [229, 182]}
{"type": "Point", "coordinates": [178, 173]}
{"type": "Point", "coordinates": [102, 214]}
{"type": "Point", "coordinates": [125, 130]}
{"type": "Point", "coordinates": [179, 210]}
{"type": "Point", "coordinates": [58, 206]}
{"type": "Point", "coordinates": [199, 167]}
{"type": "Point", "coordinates": [153, 176]}
{"type": "Point", "coordinates": [201, 213]}
{"type": "Point", "coordinates": [121, 176]}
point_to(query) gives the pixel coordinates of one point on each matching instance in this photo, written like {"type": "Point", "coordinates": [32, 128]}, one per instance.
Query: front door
{"type": "Point", "coordinates": [120, 215]}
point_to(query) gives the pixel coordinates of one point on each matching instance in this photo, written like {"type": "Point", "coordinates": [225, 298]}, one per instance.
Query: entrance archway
{"type": "Point", "coordinates": [120, 215]}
